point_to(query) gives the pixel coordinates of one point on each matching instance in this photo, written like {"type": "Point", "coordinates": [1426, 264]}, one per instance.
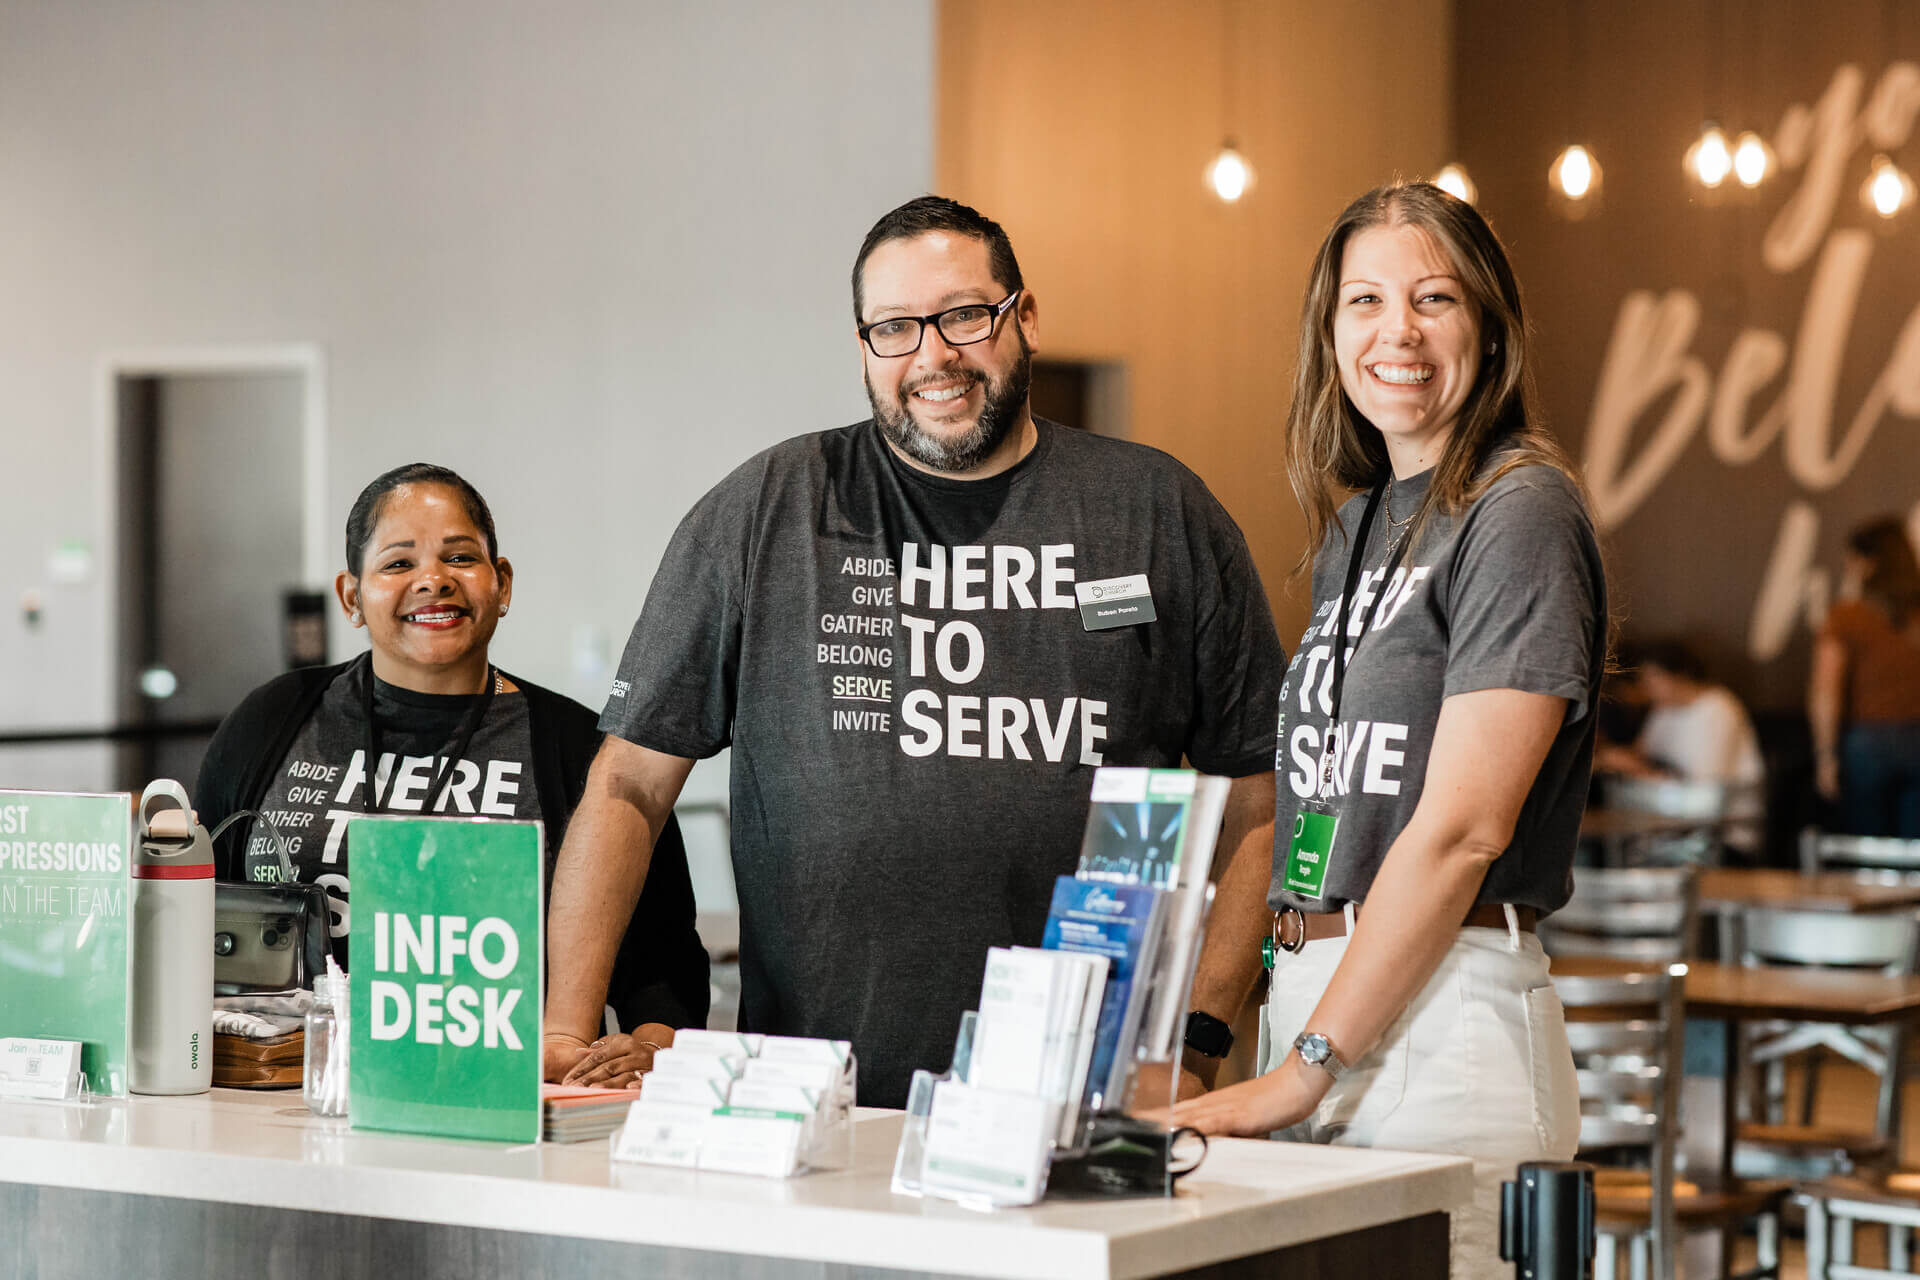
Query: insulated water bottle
{"type": "Point", "coordinates": [171, 1049]}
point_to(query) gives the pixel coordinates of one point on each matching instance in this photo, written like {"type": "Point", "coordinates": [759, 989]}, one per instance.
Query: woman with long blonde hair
{"type": "Point", "coordinates": [1436, 727]}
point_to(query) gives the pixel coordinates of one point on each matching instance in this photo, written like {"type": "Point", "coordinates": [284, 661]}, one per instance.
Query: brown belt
{"type": "Point", "coordinates": [1333, 924]}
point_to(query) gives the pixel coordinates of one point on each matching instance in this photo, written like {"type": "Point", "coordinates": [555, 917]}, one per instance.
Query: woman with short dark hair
{"type": "Point", "coordinates": [425, 724]}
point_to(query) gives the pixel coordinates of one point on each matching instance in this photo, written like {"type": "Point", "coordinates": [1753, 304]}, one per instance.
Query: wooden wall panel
{"type": "Point", "coordinates": [1084, 128]}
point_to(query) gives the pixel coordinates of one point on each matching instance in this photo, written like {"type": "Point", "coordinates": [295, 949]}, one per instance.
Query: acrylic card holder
{"type": "Point", "coordinates": [42, 1070]}
{"type": "Point", "coordinates": [975, 1145]}
{"type": "Point", "coordinates": [772, 1106]}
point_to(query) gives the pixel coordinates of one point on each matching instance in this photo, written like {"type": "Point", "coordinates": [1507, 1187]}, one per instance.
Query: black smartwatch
{"type": "Point", "coordinates": [1207, 1035]}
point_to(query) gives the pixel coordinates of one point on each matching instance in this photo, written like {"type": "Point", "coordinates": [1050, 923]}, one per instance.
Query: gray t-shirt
{"type": "Point", "coordinates": [1509, 594]}
{"type": "Point", "coordinates": [322, 782]}
{"type": "Point", "coordinates": [915, 708]}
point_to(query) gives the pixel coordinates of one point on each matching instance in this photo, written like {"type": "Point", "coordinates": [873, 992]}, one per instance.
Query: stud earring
{"type": "Point", "coordinates": [503, 611]}
{"type": "Point", "coordinates": [354, 618]}
{"type": "Point", "coordinates": [1493, 347]}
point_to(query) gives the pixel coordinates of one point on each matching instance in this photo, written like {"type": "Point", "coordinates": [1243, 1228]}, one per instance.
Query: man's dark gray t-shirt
{"type": "Point", "coordinates": [323, 781]}
{"type": "Point", "coordinates": [1509, 594]}
{"type": "Point", "coordinates": [915, 709]}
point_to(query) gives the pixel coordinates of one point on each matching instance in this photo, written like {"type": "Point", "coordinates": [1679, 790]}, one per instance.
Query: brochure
{"type": "Point", "coordinates": [1137, 826]}
{"type": "Point", "coordinates": [1122, 922]}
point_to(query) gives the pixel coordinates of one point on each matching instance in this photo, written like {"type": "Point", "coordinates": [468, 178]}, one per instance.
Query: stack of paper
{"type": "Point", "coordinates": [1039, 1012]}
{"type": "Point", "coordinates": [581, 1113]}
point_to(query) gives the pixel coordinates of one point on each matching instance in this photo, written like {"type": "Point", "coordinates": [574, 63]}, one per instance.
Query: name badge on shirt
{"type": "Point", "coordinates": [1309, 850]}
{"type": "Point", "coordinates": [1116, 602]}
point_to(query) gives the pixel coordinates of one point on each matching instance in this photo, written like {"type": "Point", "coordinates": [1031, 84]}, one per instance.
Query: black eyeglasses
{"type": "Point", "coordinates": [958, 326]}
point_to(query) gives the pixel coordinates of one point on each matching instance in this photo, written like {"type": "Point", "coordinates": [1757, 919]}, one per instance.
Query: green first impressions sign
{"type": "Point", "coordinates": [446, 943]}
{"type": "Point", "coordinates": [63, 925]}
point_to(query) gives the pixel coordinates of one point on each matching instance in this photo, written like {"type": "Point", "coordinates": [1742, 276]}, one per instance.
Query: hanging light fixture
{"type": "Point", "coordinates": [1229, 174]}
{"type": "Point", "coordinates": [1753, 160]}
{"type": "Point", "coordinates": [1709, 160]}
{"type": "Point", "coordinates": [1888, 190]}
{"type": "Point", "coordinates": [1575, 174]}
{"type": "Point", "coordinates": [1453, 180]}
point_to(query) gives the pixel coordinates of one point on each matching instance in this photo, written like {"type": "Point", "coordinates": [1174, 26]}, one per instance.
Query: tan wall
{"type": "Point", "coordinates": [1084, 125]}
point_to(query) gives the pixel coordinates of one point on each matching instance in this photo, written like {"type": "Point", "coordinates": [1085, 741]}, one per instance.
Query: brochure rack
{"type": "Point", "coordinates": [992, 1147]}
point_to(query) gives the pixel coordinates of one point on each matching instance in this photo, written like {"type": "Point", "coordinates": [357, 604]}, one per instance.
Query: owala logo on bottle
{"type": "Point", "coordinates": [195, 1063]}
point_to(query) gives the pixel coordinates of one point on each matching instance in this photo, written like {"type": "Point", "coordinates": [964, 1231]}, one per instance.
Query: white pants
{"type": "Point", "coordinates": [1477, 1065]}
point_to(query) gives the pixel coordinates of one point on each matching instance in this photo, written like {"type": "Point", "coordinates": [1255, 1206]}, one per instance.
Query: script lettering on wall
{"type": "Point", "coordinates": [1768, 389]}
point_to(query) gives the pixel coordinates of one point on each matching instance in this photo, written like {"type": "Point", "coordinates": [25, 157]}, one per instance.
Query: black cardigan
{"type": "Point", "coordinates": [660, 974]}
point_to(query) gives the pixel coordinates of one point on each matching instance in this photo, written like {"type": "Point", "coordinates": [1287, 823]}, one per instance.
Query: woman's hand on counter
{"type": "Point", "coordinates": [618, 1061]}
{"type": "Point", "coordinates": [1253, 1108]}
{"type": "Point", "coordinates": [559, 1052]}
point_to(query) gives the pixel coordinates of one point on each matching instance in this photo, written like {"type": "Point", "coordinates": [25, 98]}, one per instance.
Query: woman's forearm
{"type": "Point", "coordinates": [1826, 695]}
{"type": "Point", "coordinates": [1488, 748]}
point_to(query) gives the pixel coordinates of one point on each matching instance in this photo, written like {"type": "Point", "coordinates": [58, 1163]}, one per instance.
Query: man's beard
{"type": "Point", "coordinates": [1004, 400]}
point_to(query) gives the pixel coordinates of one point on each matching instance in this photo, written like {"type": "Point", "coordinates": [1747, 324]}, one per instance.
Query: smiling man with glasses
{"type": "Point", "coordinates": [919, 635]}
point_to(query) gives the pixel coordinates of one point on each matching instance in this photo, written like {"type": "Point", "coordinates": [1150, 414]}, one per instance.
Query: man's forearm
{"type": "Point", "coordinates": [1230, 960]}
{"type": "Point", "coordinates": [596, 882]}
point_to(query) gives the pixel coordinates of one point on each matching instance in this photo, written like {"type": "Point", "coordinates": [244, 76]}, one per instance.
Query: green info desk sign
{"type": "Point", "coordinates": [445, 947]}
{"type": "Point", "coordinates": [63, 925]}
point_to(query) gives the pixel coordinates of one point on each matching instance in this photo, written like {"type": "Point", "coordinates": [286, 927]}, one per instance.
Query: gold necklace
{"type": "Point", "coordinates": [1396, 529]}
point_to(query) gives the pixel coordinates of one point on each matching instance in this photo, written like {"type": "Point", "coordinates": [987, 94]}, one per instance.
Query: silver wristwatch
{"type": "Point", "coordinates": [1316, 1051]}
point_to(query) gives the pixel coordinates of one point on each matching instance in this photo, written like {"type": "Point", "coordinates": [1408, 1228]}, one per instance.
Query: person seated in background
{"type": "Point", "coordinates": [447, 732]}
{"type": "Point", "coordinates": [1864, 695]}
{"type": "Point", "coordinates": [1696, 730]}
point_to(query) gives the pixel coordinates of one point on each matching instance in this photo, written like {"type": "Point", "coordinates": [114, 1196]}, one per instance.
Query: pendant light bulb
{"type": "Point", "coordinates": [1229, 175]}
{"type": "Point", "coordinates": [1575, 173]}
{"type": "Point", "coordinates": [1710, 160]}
{"type": "Point", "coordinates": [1454, 181]}
{"type": "Point", "coordinates": [1753, 160]}
{"type": "Point", "coordinates": [1888, 189]}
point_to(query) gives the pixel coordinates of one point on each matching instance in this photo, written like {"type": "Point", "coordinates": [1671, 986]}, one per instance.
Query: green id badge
{"type": "Point", "coordinates": [1309, 850]}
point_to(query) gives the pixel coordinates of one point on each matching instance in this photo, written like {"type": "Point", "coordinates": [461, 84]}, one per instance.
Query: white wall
{"type": "Point", "coordinates": [590, 254]}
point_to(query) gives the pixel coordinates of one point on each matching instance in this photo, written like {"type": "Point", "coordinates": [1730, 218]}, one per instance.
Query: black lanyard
{"type": "Point", "coordinates": [451, 754]}
{"type": "Point", "coordinates": [1354, 558]}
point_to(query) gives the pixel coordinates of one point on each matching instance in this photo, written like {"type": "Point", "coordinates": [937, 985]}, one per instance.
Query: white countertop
{"type": "Point", "coordinates": [264, 1149]}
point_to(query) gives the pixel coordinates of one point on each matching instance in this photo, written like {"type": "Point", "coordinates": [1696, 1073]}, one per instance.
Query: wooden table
{"type": "Point", "coordinates": [1739, 993]}
{"type": "Point", "coordinates": [1734, 888]}
{"type": "Point", "coordinates": [1742, 993]}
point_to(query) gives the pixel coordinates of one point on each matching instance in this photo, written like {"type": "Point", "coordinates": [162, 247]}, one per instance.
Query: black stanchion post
{"type": "Point", "coordinates": [1546, 1221]}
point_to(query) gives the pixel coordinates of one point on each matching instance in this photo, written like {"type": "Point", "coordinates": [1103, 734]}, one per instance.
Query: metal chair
{"type": "Point", "coordinates": [1633, 913]}
{"type": "Point", "coordinates": [1716, 805]}
{"type": "Point", "coordinates": [1625, 1029]}
{"type": "Point", "coordinates": [1884, 943]}
{"type": "Point", "coordinates": [1895, 859]}
{"type": "Point", "coordinates": [1835, 1206]}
